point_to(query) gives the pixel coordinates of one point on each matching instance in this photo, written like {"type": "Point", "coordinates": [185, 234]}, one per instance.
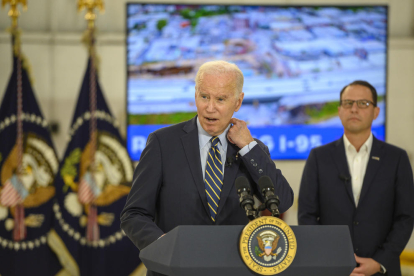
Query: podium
{"type": "Point", "coordinates": [214, 251]}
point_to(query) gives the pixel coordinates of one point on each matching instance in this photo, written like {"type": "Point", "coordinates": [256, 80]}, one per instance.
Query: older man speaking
{"type": "Point", "coordinates": [182, 177]}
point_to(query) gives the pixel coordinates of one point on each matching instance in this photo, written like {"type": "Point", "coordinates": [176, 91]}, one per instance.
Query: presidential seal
{"type": "Point", "coordinates": [267, 245]}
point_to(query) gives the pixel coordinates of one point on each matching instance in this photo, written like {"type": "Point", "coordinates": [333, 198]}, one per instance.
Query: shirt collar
{"type": "Point", "coordinates": [365, 147]}
{"type": "Point", "coordinates": [204, 137]}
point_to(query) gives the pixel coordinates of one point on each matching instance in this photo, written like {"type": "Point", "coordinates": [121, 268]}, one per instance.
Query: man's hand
{"type": "Point", "coordinates": [367, 267]}
{"type": "Point", "coordinates": [239, 134]}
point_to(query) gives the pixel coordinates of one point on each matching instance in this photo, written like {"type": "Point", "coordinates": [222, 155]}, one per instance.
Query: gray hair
{"type": "Point", "coordinates": [220, 67]}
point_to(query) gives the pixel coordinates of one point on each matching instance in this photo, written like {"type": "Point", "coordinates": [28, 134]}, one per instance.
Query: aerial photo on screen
{"type": "Point", "coordinates": [295, 60]}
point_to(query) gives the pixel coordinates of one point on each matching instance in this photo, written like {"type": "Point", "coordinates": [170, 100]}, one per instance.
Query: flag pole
{"type": "Point", "coordinates": [19, 232]}
{"type": "Point", "coordinates": [90, 16]}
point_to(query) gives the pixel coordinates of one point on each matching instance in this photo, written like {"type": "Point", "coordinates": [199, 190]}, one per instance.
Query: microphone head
{"type": "Point", "coordinates": [265, 183]}
{"type": "Point", "coordinates": [242, 183]}
{"type": "Point", "coordinates": [229, 161]}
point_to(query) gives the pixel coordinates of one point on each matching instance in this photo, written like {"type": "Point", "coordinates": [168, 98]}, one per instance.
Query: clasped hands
{"type": "Point", "coordinates": [367, 267]}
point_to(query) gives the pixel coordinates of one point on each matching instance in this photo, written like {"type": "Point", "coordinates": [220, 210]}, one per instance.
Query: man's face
{"type": "Point", "coordinates": [357, 120]}
{"type": "Point", "coordinates": [216, 102]}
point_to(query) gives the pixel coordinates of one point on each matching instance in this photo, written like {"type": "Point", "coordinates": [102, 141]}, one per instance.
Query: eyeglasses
{"type": "Point", "coordinates": [347, 104]}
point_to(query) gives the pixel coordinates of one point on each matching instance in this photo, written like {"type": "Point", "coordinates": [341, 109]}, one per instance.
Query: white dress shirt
{"type": "Point", "coordinates": [357, 164]}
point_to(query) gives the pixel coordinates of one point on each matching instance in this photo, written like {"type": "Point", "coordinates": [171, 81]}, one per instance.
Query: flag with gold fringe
{"type": "Point", "coordinates": [92, 183]}
{"type": "Point", "coordinates": [28, 164]}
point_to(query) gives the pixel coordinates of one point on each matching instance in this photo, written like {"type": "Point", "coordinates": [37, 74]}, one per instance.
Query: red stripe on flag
{"type": "Point", "coordinates": [9, 196]}
{"type": "Point", "coordinates": [85, 193]}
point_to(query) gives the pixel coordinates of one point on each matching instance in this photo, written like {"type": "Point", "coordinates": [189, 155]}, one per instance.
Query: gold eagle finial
{"type": "Point", "coordinates": [90, 5]}
{"type": "Point", "coordinates": [14, 12]}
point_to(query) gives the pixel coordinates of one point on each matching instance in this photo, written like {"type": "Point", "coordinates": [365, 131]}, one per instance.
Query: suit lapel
{"type": "Point", "coordinates": [377, 152]}
{"type": "Point", "coordinates": [230, 173]}
{"type": "Point", "coordinates": [339, 157]}
{"type": "Point", "coordinates": [192, 151]}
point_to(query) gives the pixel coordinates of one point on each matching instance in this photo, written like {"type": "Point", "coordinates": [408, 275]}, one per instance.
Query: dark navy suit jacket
{"type": "Point", "coordinates": [382, 223]}
{"type": "Point", "coordinates": [168, 188]}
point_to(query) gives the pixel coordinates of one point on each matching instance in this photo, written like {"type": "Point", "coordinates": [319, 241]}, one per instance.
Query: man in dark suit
{"type": "Point", "coordinates": [187, 171]}
{"type": "Point", "coordinates": [361, 182]}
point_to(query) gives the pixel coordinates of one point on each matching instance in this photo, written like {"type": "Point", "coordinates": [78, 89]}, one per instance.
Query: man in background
{"type": "Point", "coordinates": [187, 171]}
{"type": "Point", "coordinates": [361, 182]}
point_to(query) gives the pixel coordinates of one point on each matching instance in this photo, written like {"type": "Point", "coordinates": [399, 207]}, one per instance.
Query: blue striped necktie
{"type": "Point", "coordinates": [214, 177]}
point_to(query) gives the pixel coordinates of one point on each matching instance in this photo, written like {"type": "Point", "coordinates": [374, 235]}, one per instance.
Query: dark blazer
{"type": "Point", "coordinates": [382, 223]}
{"type": "Point", "coordinates": [168, 188]}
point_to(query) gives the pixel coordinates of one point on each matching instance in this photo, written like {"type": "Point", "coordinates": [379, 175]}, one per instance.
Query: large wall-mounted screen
{"type": "Point", "coordinates": [295, 60]}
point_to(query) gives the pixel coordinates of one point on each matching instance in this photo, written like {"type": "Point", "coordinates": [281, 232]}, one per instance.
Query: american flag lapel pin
{"type": "Point", "coordinates": [376, 158]}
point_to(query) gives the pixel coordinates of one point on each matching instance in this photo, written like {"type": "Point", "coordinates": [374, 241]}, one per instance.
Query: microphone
{"type": "Point", "coordinates": [229, 162]}
{"type": "Point", "coordinates": [344, 177]}
{"type": "Point", "coordinates": [246, 200]}
{"type": "Point", "coordinates": [271, 200]}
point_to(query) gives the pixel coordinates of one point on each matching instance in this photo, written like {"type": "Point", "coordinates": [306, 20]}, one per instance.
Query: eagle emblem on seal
{"type": "Point", "coordinates": [268, 241]}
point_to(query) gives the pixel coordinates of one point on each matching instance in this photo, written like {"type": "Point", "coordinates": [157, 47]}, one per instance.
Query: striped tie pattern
{"type": "Point", "coordinates": [214, 177]}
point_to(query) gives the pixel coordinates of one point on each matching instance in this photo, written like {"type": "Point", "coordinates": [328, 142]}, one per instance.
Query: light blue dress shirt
{"type": "Point", "coordinates": [205, 145]}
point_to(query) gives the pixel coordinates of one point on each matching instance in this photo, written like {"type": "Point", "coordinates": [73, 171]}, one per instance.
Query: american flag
{"type": "Point", "coordinates": [87, 192]}
{"type": "Point", "coordinates": [12, 195]}
{"type": "Point", "coordinates": [87, 189]}
{"type": "Point", "coordinates": [13, 192]}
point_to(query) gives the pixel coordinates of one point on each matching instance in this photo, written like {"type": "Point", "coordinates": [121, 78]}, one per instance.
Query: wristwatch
{"type": "Point", "coordinates": [382, 269]}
